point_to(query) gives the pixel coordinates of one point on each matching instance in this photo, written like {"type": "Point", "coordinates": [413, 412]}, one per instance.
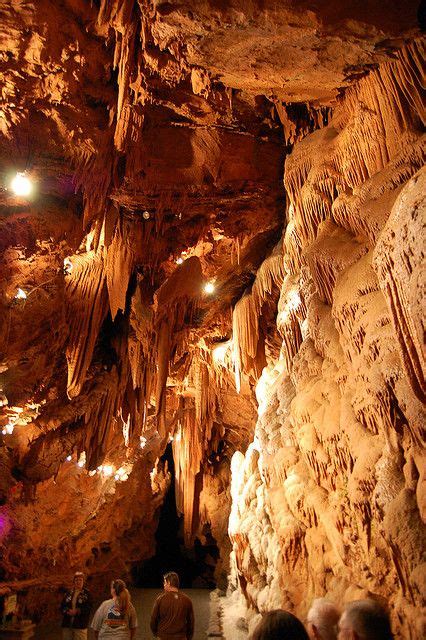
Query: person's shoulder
{"type": "Point", "coordinates": [106, 603]}
{"type": "Point", "coordinates": [185, 598]}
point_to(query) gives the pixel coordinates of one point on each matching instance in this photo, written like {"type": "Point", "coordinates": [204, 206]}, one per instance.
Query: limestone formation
{"type": "Point", "coordinates": [221, 260]}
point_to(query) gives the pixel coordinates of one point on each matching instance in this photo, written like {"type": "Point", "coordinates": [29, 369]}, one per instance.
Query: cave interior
{"type": "Point", "coordinates": [212, 295]}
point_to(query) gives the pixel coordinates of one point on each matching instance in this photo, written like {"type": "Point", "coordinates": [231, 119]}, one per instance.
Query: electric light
{"type": "Point", "coordinates": [116, 477]}
{"type": "Point", "coordinates": [107, 470]}
{"type": "Point", "coordinates": [143, 441]}
{"type": "Point", "coordinates": [8, 429]}
{"type": "Point", "coordinates": [82, 460]}
{"type": "Point", "coordinates": [179, 260]}
{"type": "Point", "coordinates": [146, 215]}
{"type": "Point", "coordinates": [20, 295]}
{"type": "Point", "coordinates": [209, 288]}
{"type": "Point", "coordinates": [21, 185]}
{"type": "Point", "coordinates": [67, 266]}
{"type": "Point", "coordinates": [69, 458]}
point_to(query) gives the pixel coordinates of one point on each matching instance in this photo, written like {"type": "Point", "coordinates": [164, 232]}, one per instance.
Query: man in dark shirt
{"type": "Point", "coordinates": [172, 617]}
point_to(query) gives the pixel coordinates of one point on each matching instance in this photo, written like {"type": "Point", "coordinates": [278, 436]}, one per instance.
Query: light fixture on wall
{"type": "Point", "coordinates": [209, 288]}
{"type": "Point", "coordinates": [21, 185]}
{"type": "Point", "coordinates": [20, 294]}
{"type": "Point", "coordinates": [67, 266]}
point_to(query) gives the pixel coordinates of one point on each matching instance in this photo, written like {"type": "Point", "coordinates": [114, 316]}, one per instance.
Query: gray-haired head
{"type": "Point", "coordinates": [322, 620]}
{"type": "Point", "coordinates": [365, 620]}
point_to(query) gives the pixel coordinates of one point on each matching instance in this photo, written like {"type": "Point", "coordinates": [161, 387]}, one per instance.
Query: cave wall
{"type": "Point", "coordinates": [328, 500]}
{"type": "Point", "coordinates": [157, 135]}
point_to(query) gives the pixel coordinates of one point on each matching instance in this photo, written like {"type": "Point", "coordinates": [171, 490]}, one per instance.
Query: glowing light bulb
{"type": "Point", "coordinates": [116, 477]}
{"type": "Point", "coordinates": [107, 470]}
{"type": "Point", "coordinates": [67, 266]}
{"type": "Point", "coordinates": [9, 429]}
{"type": "Point", "coordinates": [143, 441]}
{"type": "Point", "coordinates": [179, 260]}
{"type": "Point", "coordinates": [21, 185]}
{"type": "Point", "coordinates": [209, 288]}
{"type": "Point", "coordinates": [82, 460]}
{"type": "Point", "coordinates": [69, 458]}
{"type": "Point", "coordinates": [146, 215]}
{"type": "Point", "coordinates": [20, 295]}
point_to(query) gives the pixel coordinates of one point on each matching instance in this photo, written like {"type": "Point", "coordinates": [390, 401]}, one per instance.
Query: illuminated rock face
{"type": "Point", "coordinates": [329, 498]}
{"type": "Point", "coordinates": [157, 136]}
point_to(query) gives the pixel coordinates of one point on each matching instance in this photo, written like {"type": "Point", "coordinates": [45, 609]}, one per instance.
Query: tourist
{"type": "Point", "coordinates": [76, 606]}
{"type": "Point", "coordinates": [279, 625]}
{"type": "Point", "coordinates": [172, 615]}
{"type": "Point", "coordinates": [116, 618]}
{"type": "Point", "coordinates": [364, 620]}
{"type": "Point", "coordinates": [322, 620]}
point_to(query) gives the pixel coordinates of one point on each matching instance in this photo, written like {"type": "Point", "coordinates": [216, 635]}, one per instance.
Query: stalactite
{"type": "Point", "coordinates": [248, 348]}
{"type": "Point", "coordinates": [119, 263]}
{"type": "Point", "coordinates": [175, 303]}
{"type": "Point", "coordinates": [86, 309]}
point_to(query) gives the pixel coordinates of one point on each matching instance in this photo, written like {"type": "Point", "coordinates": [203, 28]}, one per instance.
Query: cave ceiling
{"type": "Point", "coordinates": [155, 133]}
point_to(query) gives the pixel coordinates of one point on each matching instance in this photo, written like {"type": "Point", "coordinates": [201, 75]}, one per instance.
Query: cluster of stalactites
{"type": "Point", "coordinates": [198, 432]}
{"type": "Point", "coordinates": [248, 341]}
{"type": "Point", "coordinates": [365, 134]}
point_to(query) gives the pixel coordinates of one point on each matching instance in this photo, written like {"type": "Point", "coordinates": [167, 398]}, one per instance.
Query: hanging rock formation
{"type": "Point", "coordinates": [223, 250]}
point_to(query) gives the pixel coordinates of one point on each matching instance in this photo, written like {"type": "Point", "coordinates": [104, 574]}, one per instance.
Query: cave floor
{"type": "Point", "coordinates": [143, 600]}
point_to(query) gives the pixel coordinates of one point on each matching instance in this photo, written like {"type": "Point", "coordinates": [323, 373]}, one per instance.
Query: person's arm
{"type": "Point", "coordinates": [97, 622]}
{"type": "Point", "coordinates": [133, 622]}
{"type": "Point", "coordinates": [86, 606]}
{"type": "Point", "coordinates": [64, 604]}
{"type": "Point", "coordinates": [190, 622]}
{"type": "Point", "coordinates": [154, 617]}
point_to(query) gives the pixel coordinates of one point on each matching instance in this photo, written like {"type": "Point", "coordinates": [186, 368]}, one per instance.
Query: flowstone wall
{"type": "Point", "coordinates": [328, 500]}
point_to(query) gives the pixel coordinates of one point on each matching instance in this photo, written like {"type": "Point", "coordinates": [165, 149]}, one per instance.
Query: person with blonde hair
{"type": "Point", "coordinates": [116, 618]}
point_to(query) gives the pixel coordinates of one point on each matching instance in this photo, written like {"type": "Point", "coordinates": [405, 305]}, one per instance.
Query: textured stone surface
{"type": "Point", "coordinates": [157, 135]}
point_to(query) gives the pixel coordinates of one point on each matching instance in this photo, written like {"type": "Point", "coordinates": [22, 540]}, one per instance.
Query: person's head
{"type": "Point", "coordinates": [78, 580]}
{"type": "Point", "coordinates": [364, 620]}
{"type": "Point", "coordinates": [322, 620]}
{"type": "Point", "coordinates": [279, 625]}
{"type": "Point", "coordinates": [171, 581]}
{"type": "Point", "coordinates": [120, 594]}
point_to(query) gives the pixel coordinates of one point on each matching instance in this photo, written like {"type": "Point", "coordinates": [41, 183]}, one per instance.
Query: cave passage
{"type": "Point", "coordinates": [195, 566]}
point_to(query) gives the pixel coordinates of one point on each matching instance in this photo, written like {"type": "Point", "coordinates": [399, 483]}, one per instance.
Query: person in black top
{"type": "Point", "coordinates": [76, 606]}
